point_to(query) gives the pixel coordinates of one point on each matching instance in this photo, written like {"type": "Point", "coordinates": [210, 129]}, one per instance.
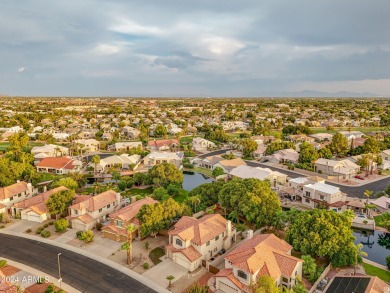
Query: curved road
{"type": "Point", "coordinates": [353, 191]}
{"type": "Point", "coordinates": [78, 271]}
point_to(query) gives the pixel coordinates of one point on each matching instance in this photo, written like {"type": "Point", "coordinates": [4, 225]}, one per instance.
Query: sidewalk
{"type": "Point", "coordinates": [95, 257]}
{"type": "Point", "coordinates": [375, 264]}
{"type": "Point", "coordinates": [27, 272]}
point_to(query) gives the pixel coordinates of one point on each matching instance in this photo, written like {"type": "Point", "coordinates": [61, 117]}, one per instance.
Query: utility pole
{"type": "Point", "coordinates": [59, 270]}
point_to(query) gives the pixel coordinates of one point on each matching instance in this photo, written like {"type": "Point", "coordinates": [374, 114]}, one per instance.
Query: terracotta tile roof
{"type": "Point", "coordinates": [190, 252]}
{"type": "Point", "coordinates": [94, 203]}
{"type": "Point", "coordinates": [57, 163]}
{"type": "Point", "coordinates": [39, 209]}
{"type": "Point", "coordinates": [86, 218]}
{"type": "Point", "coordinates": [162, 142]}
{"type": "Point", "coordinates": [129, 212]}
{"type": "Point", "coordinates": [266, 253]}
{"type": "Point", "coordinates": [228, 273]}
{"type": "Point", "coordinates": [12, 190]}
{"type": "Point", "coordinates": [40, 198]}
{"type": "Point", "coordinates": [114, 229]}
{"type": "Point", "coordinates": [199, 231]}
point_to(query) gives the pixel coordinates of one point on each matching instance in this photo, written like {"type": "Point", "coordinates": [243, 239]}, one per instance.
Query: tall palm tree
{"type": "Point", "coordinates": [170, 278]}
{"type": "Point", "coordinates": [95, 160]}
{"type": "Point", "coordinates": [128, 246]}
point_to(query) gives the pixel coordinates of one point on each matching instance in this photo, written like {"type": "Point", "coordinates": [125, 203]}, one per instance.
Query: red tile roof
{"type": "Point", "coordinates": [40, 198]}
{"type": "Point", "coordinates": [190, 252]}
{"type": "Point", "coordinates": [162, 142]}
{"type": "Point", "coordinates": [94, 203]}
{"type": "Point", "coordinates": [12, 190]}
{"type": "Point", "coordinates": [129, 212]}
{"type": "Point", "coordinates": [57, 163]}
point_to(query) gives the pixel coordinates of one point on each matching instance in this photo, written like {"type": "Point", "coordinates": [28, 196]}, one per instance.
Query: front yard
{"type": "Point", "coordinates": [378, 272]}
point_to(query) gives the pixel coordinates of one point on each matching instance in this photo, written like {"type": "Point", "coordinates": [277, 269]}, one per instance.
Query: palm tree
{"type": "Point", "coordinates": [367, 194]}
{"type": "Point", "coordinates": [170, 278]}
{"type": "Point", "coordinates": [128, 246]}
{"type": "Point", "coordinates": [95, 160]}
{"type": "Point", "coordinates": [359, 252]}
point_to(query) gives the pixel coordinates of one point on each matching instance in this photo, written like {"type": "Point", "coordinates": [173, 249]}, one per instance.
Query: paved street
{"type": "Point", "coordinates": [78, 271]}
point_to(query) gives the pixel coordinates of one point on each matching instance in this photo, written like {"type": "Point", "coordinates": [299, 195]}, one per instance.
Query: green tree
{"type": "Point", "coordinates": [307, 154]}
{"type": "Point", "coordinates": [325, 153]}
{"type": "Point", "coordinates": [218, 171]}
{"type": "Point", "coordinates": [67, 182]}
{"type": "Point", "coordinates": [339, 145]}
{"type": "Point", "coordinates": [309, 267]}
{"type": "Point", "coordinates": [59, 202]}
{"type": "Point", "coordinates": [170, 278]}
{"type": "Point", "coordinates": [359, 253]}
{"type": "Point", "coordinates": [160, 131]}
{"type": "Point", "coordinates": [95, 161]}
{"type": "Point", "coordinates": [388, 261]}
{"type": "Point", "coordinates": [128, 245]}
{"type": "Point", "coordinates": [208, 193]}
{"type": "Point", "coordinates": [116, 176]}
{"type": "Point", "coordinates": [323, 233]}
{"type": "Point", "coordinates": [371, 145]}
{"type": "Point", "coordinates": [196, 288]}
{"type": "Point", "coordinates": [61, 225]}
{"type": "Point", "coordinates": [165, 174]}
{"type": "Point", "coordinates": [248, 147]}
{"type": "Point", "coordinates": [266, 284]}
{"type": "Point", "coordinates": [160, 193]}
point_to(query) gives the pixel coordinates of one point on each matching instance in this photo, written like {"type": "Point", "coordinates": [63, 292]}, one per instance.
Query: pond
{"type": "Point", "coordinates": [194, 179]}
{"type": "Point", "coordinates": [375, 243]}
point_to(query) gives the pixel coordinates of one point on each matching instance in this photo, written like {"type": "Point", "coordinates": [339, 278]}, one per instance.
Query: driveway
{"type": "Point", "coordinates": [159, 273]}
{"type": "Point", "coordinates": [102, 246]}
{"type": "Point", "coordinates": [20, 226]}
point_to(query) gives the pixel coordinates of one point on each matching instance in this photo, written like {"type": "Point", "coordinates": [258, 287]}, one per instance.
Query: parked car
{"type": "Point", "coordinates": [359, 177]}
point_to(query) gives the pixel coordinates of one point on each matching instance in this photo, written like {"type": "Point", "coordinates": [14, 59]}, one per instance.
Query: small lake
{"type": "Point", "coordinates": [194, 179]}
{"type": "Point", "coordinates": [375, 243]}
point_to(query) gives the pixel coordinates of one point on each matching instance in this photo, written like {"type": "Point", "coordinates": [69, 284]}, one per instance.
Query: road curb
{"type": "Point", "coordinates": [147, 282]}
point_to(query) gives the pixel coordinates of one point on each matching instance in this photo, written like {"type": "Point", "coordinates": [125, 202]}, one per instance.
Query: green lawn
{"type": "Point", "coordinates": [385, 172]}
{"type": "Point", "coordinates": [203, 171]}
{"type": "Point", "coordinates": [182, 196]}
{"type": "Point", "coordinates": [379, 221]}
{"type": "Point", "coordinates": [336, 129]}
{"type": "Point", "coordinates": [374, 271]}
{"type": "Point", "coordinates": [186, 140]}
{"type": "Point", "coordinates": [156, 254]}
{"type": "Point", "coordinates": [143, 192]}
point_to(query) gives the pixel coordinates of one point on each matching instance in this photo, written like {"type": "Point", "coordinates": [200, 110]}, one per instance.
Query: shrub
{"type": "Point", "coordinates": [61, 225]}
{"type": "Point", "coordinates": [38, 231]}
{"type": "Point", "coordinates": [28, 231]}
{"type": "Point", "coordinates": [86, 236]}
{"type": "Point", "coordinates": [387, 261]}
{"type": "Point", "coordinates": [319, 171]}
{"type": "Point", "coordinates": [45, 234]}
{"type": "Point", "coordinates": [188, 166]}
{"type": "Point", "coordinates": [3, 263]}
{"type": "Point", "coordinates": [145, 265]}
{"type": "Point", "coordinates": [2, 226]}
{"type": "Point", "coordinates": [46, 225]}
{"type": "Point", "coordinates": [51, 223]}
{"type": "Point", "coordinates": [79, 235]}
{"type": "Point", "coordinates": [99, 226]}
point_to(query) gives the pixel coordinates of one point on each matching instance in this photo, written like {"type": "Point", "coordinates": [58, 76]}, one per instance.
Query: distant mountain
{"type": "Point", "coordinates": [313, 93]}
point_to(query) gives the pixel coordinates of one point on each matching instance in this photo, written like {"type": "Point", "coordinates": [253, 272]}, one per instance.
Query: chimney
{"type": "Point", "coordinates": [229, 228]}
{"type": "Point", "coordinates": [29, 188]}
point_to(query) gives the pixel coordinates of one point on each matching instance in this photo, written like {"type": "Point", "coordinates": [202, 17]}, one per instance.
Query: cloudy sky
{"type": "Point", "coordinates": [193, 48]}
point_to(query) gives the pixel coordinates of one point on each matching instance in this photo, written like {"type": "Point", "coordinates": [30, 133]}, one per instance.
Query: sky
{"type": "Point", "coordinates": [193, 48]}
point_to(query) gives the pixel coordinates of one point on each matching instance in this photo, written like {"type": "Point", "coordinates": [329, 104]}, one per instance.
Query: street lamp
{"type": "Point", "coordinates": [59, 269]}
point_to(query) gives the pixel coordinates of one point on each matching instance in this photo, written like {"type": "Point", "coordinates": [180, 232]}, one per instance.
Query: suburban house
{"type": "Point", "coordinates": [34, 209]}
{"type": "Point", "coordinates": [382, 204]}
{"type": "Point", "coordinates": [200, 144]}
{"type": "Point", "coordinates": [322, 137]}
{"type": "Point", "coordinates": [119, 220]}
{"type": "Point", "coordinates": [193, 240]}
{"type": "Point", "coordinates": [163, 144]}
{"type": "Point", "coordinates": [351, 134]}
{"type": "Point", "coordinates": [123, 161]}
{"type": "Point", "coordinates": [296, 138]}
{"type": "Point", "coordinates": [130, 132]}
{"type": "Point", "coordinates": [329, 196]}
{"type": "Point", "coordinates": [15, 193]}
{"type": "Point", "coordinates": [264, 254]}
{"type": "Point", "coordinates": [245, 171]}
{"type": "Point", "coordinates": [88, 145]}
{"type": "Point", "coordinates": [385, 155]}
{"type": "Point", "coordinates": [294, 188]}
{"type": "Point", "coordinates": [58, 165]}
{"type": "Point", "coordinates": [209, 161]}
{"type": "Point", "coordinates": [259, 152]}
{"type": "Point", "coordinates": [263, 139]}
{"type": "Point", "coordinates": [343, 168]}
{"type": "Point", "coordinates": [228, 165]}
{"type": "Point", "coordinates": [358, 284]}
{"type": "Point", "coordinates": [50, 150]}
{"type": "Point", "coordinates": [156, 158]}
{"type": "Point", "coordinates": [372, 163]}
{"type": "Point", "coordinates": [88, 210]}
{"type": "Point", "coordinates": [283, 156]}
{"type": "Point", "coordinates": [125, 146]}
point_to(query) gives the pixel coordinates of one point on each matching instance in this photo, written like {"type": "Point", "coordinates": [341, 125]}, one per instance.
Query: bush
{"type": "Point", "coordinates": [145, 265]}
{"type": "Point", "coordinates": [61, 225]}
{"type": "Point", "coordinates": [28, 231]}
{"type": "Point", "coordinates": [99, 226]}
{"type": "Point", "coordinates": [2, 226]}
{"type": "Point", "coordinates": [46, 225]}
{"type": "Point", "coordinates": [319, 171]}
{"type": "Point", "coordinates": [38, 231]}
{"type": "Point", "coordinates": [51, 223]}
{"type": "Point", "coordinates": [45, 234]}
{"type": "Point", "coordinates": [188, 166]}
{"type": "Point", "coordinates": [388, 261]}
{"type": "Point", "coordinates": [3, 263]}
{"type": "Point", "coordinates": [79, 235]}
{"type": "Point", "coordinates": [86, 236]}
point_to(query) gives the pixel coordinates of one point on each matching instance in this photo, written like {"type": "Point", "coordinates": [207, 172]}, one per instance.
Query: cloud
{"type": "Point", "coordinates": [127, 26]}
{"type": "Point", "coordinates": [21, 69]}
{"type": "Point", "coordinates": [179, 60]}
{"type": "Point", "coordinates": [106, 49]}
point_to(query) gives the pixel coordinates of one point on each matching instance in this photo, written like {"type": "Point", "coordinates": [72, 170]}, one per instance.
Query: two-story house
{"type": "Point", "coordinates": [294, 188]}
{"type": "Point", "coordinates": [34, 209]}
{"type": "Point", "coordinates": [88, 210]}
{"type": "Point", "coordinates": [329, 196]}
{"type": "Point", "coordinates": [342, 169]}
{"type": "Point", "coordinates": [88, 145]}
{"type": "Point", "coordinates": [119, 220]}
{"type": "Point", "coordinates": [15, 193]}
{"type": "Point", "coordinates": [264, 254]}
{"type": "Point", "coordinates": [385, 155]}
{"type": "Point", "coordinates": [193, 240]}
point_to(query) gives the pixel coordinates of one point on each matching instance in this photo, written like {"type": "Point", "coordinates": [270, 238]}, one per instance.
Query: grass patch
{"type": "Point", "coordinates": [186, 140]}
{"type": "Point", "coordinates": [203, 171]}
{"type": "Point", "coordinates": [143, 192]}
{"type": "Point", "coordinates": [378, 272]}
{"type": "Point", "coordinates": [337, 129]}
{"type": "Point", "coordinates": [156, 254]}
{"type": "Point", "coordinates": [182, 196]}
{"type": "Point", "coordinates": [385, 172]}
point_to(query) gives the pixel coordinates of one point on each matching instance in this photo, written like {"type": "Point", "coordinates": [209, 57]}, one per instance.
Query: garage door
{"type": "Point", "coordinates": [227, 288]}
{"type": "Point", "coordinates": [184, 263]}
{"type": "Point", "coordinates": [34, 218]}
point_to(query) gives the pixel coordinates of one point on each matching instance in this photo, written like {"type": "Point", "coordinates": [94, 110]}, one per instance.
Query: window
{"type": "Point", "coordinates": [307, 200]}
{"type": "Point", "coordinates": [109, 206]}
{"type": "Point", "coordinates": [223, 234]}
{"type": "Point", "coordinates": [11, 198]}
{"type": "Point", "coordinates": [322, 197]}
{"type": "Point", "coordinates": [216, 238]}
{"type": "Point", "coordinates": [242, 275]}
{"type": "Point", "coordinates": [100, 210]}
{"type": "Point", "coordinates": [119, 223]}
{"type": "Point", "coordinates": [285, 280]}
{"type": "Point", "coordinates": [179, 242]}
{"type": "Point", "coordinates": [76, 212]}
{"type": "Point", "coordinates": [208, 243]}
{"type": "Point", "coordinates": [308, 193]}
